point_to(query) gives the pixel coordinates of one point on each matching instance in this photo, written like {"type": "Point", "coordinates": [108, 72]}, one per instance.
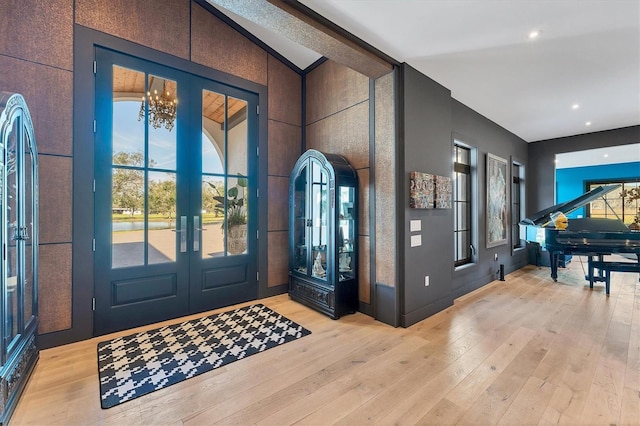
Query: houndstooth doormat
{"type": "Point", "coordinates": [135, 365]}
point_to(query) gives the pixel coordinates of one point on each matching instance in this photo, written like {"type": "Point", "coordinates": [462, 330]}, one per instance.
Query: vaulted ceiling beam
{"type": "Point", "coordinates": [301, 27]}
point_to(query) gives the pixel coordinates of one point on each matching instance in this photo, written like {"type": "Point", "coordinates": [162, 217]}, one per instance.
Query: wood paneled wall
{"type": "Point", "coordinates": [385, 182]}
{"type": "Point", "coordinates": [285, 146]}
{"type": "Point", "coordinates": [337, 122]}
{"type": "Point", "coordinates": [36, 60]}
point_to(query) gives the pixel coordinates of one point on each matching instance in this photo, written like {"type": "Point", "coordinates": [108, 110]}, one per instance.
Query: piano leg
{"type": "Point", "coordinates": [553, 263]}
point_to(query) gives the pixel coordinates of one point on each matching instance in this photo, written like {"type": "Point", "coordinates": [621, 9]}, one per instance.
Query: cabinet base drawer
{"type": "Point", "coordinates": [14, 376]}
{"type": "Point", "coordinates": [330, 301]}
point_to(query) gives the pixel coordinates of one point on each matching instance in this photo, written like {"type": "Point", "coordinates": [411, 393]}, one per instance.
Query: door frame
{"type": "Point", "coordinates": [191, 283]}
{"type": "Point", "coordinates": [85, 39]}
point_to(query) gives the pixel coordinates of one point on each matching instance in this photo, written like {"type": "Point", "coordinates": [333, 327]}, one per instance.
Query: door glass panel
{"type": "Point", "coordinates": [127, 227]}
{"type": "Point", "coordinates": [213, 169]}
{"type": "Point", "coordinates": [162, 105]}
{"type": "Point", "coordinates": [346, 232]}
{"type": "Point", "coordinates": [224, 193]}
{"type": "Point", "coordinates": [213, 135]}
{"type": "Point", "coordinates": [212, 229]}
{"type": "Point", "coordinates": [236, 215]}
{"type": "Point", "coordinates": [12, 234]}
{"type": "Point", "coordinates": [319, 216]}
{"type": "Point", "coordinates": [161, 218]}
{"type": "Point", "coordinates": [128, 110]}
{"type": "Point", "coordinates": [237, 137]}
{"type": "Point", "coordinates": [300, 260]}
{"type": "Point", "coordinates": [29, 190]}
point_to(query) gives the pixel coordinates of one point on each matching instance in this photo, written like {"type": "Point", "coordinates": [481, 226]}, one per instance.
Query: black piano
{"type": "Point", "coordinates": [591, 237]}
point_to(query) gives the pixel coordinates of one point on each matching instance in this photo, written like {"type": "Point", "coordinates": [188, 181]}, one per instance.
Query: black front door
{"type": "Point", "coordinates": [174, 184]}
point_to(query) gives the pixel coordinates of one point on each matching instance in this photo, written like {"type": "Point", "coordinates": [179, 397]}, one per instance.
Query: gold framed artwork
{"type": "Point", "coordinates": [497, 195]}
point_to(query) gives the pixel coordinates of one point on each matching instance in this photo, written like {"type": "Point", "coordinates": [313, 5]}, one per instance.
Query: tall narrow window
{"type": "Point", "coordinates": [517, 205]}
{"type": "Point", "coordinates": [462, 204]}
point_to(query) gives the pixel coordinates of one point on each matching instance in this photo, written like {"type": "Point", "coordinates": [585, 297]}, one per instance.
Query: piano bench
{"type": "Point", "coordinates": [608, 267]}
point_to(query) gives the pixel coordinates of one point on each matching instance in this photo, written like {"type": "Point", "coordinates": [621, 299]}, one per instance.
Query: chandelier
{"type": "Point", "coordinates": [162, 109]}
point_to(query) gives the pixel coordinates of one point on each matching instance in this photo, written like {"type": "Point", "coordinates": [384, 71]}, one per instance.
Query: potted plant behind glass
{"type": "Point", "coordinates": [632, 195]}
{"type": "Point", "coordinates": [236, 217]}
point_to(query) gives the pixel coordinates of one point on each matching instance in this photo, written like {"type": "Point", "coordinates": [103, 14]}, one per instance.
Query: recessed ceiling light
{"type": "Point", "coordinates": [535, 34]}
{"type": "Point", "coordinates": [606, 155]}
{"type": "Point", "coordinates": [588, 123]}
{"type": "Point", "coordinates": [575, 106]}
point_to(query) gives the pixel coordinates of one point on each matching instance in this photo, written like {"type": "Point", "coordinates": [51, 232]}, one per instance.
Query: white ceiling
{"type": "Point", "coordinates": [599, 156]}
{"type": "Point", "coordinates": [588, 53]}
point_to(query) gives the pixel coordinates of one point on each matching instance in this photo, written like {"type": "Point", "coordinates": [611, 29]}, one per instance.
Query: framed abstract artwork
{"type": "Point", "coordinates": [444, 192]}
{"type": "Point", "coordinates": [422, 192]}
{"type": "Point", "coordinates": [429, 191]}
{"type": "Point", "coordinates": [497, 205]}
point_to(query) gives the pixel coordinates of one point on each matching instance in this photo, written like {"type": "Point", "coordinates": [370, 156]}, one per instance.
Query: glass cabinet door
{"type": "Point", "coordinates": [30, 235]}
{"type": "Point", "coordinates": [319, 210]}
{"type": "Point", "coordinates": [300, 254]}
{"type": "Point", "coordinates": [346, 232]}
{"type": "Point", "coordinates": [12, 237]}
{"type": "Point", "coordinates": [19, 240]}
{"type": "Point", "coordinates": [323, 223]}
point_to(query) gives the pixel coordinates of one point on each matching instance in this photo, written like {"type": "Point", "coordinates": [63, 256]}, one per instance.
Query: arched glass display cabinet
{"type": "Point", "coordinates": [19, 275]}
{"type": "Point", "coordinates": [323, 240]}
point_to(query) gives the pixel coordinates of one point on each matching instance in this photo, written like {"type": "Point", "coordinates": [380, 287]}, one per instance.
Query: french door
{"type": "Point", "coordinates": [175, 188]}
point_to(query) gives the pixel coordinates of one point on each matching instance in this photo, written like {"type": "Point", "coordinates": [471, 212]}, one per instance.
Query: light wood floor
{"type": "Point", "coordinates": [523, 351]}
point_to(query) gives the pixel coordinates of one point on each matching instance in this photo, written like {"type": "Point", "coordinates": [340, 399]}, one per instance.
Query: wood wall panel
{"type": "Point", "coordinates": [49, 95]}
{"type": "Point", "coordinates": [364, 270]}
{"type": "Point", "coordinates": [385, 175]}
{"type": "Point", "coordinates": [331, 88]}
{"type": "Point", "coordinates": [162, 25]}
{"type": "Point", "coordinates": [54, 281]}
{"type": "Point", "coordinates": [285, 93]}
{"type": "Point", "coordinates": [278, 258]}
{"type": "Point", "coordinates": [345, 133]}
{"type": "Point", "coordinates": [27, 28]}
{"type": "Point", "coordinates": [363, 202]}
{"type": "Point", "coordinates": [55, 199]}
{"type": "Point", "coordinates": [278, 204]}
{"type": "Point", "coordinates": [285, 146]}
{"type": "Point", "coordinates": [217, 45]}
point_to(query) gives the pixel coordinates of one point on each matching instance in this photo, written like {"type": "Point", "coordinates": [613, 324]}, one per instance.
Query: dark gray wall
{"type": "Point", "coordinates": [542, 159]}
{"type": "Point", "coordinates": [486, 137]}
{"type": "Point", "coordinates": [430, 118]}
{"type": "Point", "coordinates": [427, 149]}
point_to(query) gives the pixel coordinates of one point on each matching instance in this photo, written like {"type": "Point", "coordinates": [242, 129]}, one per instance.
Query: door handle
{"type": "Point", "coordinates": [196, 233]}
{"type": "Point", "coordinates": [183, 234]}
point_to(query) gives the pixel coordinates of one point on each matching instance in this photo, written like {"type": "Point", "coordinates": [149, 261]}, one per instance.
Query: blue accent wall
{"type": "Point", "coordinates": [571, 182]}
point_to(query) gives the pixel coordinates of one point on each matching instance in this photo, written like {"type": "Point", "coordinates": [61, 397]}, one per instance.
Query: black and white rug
{"type": "Point", "coordinates": [135, 365]}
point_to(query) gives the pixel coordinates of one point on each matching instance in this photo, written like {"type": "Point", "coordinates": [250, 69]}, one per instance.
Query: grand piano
{"type": "Point", "coordinates": [591, 237]}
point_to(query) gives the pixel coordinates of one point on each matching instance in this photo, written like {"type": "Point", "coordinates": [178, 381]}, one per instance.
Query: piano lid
{"type": "Point", "coordinates": [543, 217]}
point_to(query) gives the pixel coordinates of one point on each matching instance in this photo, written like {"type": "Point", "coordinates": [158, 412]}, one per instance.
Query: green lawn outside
{"type": "Point", "coordinates": [206, 218]}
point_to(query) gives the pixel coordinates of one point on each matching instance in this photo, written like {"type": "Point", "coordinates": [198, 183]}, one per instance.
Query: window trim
{"type": "Point", "coordinates": [619, 181]}
{"type": "Point", "coordinates": [470, 170]}
{"type": "Point", "coordinates": [521, 178]}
